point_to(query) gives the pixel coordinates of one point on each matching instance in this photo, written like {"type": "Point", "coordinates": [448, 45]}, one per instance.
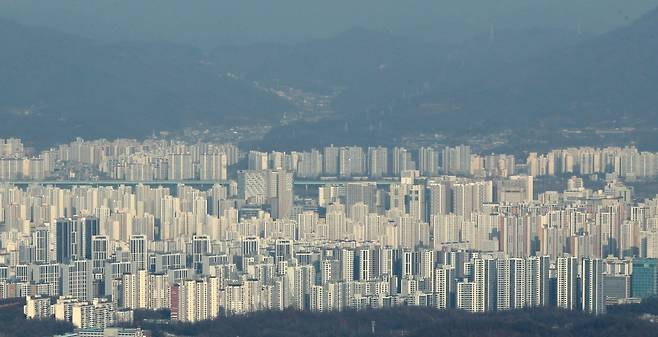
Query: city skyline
{"type": "Point", "coordinates": [437, 226]}
{"type": "Point", "coordinates": [328, 168]}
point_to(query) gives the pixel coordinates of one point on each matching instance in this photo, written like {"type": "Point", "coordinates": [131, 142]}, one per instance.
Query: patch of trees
{"type": "Point", "coordinates": [13, 322]}
{"type": "Point", "coordinates": [621, 320]}
{"type": "Point", "coordinates": [415, 321]}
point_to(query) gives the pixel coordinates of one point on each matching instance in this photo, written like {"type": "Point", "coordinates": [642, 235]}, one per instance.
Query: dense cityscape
{"type": "Point", "coordinates": [94, 230]}
{"type": "Point", "coordinates": [371, 168]}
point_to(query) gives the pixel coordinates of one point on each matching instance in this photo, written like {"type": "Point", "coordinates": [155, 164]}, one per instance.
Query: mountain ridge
{"type": "Point", "coordinates": [387, 87]}
{"type": "Point", "coordinates": [603, 81]}
{"type": "Point", "coordinates": [56, 84]}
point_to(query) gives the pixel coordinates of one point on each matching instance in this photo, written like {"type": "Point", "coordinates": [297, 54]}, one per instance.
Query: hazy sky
{"type": "Point", "coordinates": [208, 23]}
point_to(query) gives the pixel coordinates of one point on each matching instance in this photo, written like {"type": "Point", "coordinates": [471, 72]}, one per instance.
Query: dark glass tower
{"type": "Point", "coordinates": [65, 240]}
{"type": "Point", "coordinates": [74, 237]}
{"type": "Point", "coordinates": [88, 228]}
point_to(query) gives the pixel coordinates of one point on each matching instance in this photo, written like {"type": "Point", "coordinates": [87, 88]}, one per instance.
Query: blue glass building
{"type": "Point", "coordinates": [644, 280]}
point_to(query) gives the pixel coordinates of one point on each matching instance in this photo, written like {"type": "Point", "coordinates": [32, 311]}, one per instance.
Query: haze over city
{"type": "Point", "coordinates": [342, 168]}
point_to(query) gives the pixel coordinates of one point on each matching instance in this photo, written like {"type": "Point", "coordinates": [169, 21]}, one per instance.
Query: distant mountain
{"type": "Point", "coordinates": [56, 86]}
{"type": "Point", "coordinates": [613, 77]}
{"type": "Point", "coordinates": [337, 62]}
{"type": "Point", "coordinates": [390, 86]}
{"type": "Point", "coordinates": [358, 56]}
{"type": "Point", "coordinates": [608, 80]}
{"type": "Point", "coordinates": [519, 81]}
